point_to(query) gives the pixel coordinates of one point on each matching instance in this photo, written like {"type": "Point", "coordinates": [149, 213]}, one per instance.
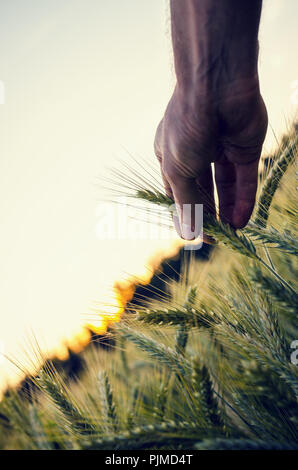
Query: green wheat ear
{"type": "Point", "coordinates": [284, 241]}
{"type": "Point", "coordinates": [167, 316]}
{"type": "Point", "coordinates": [217, 229]}
{"type": "Point", "coordinates": [161, 401]}
{"type": "Point", "coordinates": [165, 355]}
{"type": "Point", "coordinates": [155, 197]}
{"type": "Point", "coordinates": [76, 419]}
{"type": "Point", "coordinates": [206, 400]}
{"type": "Point", "coordinates": [283, 297]}
{"type": "Point", "coordinates": [223, 233]}
{"type": "Point", "coordinates": [273, 180]}
{"type": "Point", "coordinates": [108, 406]}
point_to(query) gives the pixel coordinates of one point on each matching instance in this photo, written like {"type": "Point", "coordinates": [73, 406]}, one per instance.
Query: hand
{"type": "Point", "coordinates": [229, 130]}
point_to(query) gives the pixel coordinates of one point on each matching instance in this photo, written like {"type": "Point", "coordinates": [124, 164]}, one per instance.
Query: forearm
{"type": "Point", "coordinates": [215, 44]}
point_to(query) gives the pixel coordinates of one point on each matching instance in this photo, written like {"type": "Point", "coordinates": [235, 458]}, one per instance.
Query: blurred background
{"type": "Point", "coordinates": [86, 83]}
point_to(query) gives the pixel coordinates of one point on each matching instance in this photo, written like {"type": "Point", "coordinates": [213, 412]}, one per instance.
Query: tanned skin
{"type": "Point", "coordinates": [216, 113]}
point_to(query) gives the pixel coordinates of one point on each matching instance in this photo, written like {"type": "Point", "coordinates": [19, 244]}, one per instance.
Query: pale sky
{"type": "Point", "coordinates": [85, 80]}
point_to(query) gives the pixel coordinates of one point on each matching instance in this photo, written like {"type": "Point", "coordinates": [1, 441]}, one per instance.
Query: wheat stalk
{"type": "Point", "coordinates": [131, 415]}
{"type": "Point", "coordinates": [182, 333]}
{"type": "Point", "coordinates": [151, 435]}
{"type": "Point", "coordinates": [38, 433]}
{"type": "Point", "coordinates": [244, 444]}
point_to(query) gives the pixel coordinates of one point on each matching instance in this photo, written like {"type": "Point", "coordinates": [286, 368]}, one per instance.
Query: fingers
{"type": "Point", "coordinates": [225, 178]}
{"type": "Point", "coordinates": [236, 187]}
{"type": "Point", "coordinates": [189, 194]}
{"type": "Point", "coordinates": [245, 193]}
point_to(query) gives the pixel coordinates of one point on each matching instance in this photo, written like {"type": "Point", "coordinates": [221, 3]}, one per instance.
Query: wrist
{"type": "Point", "coordinates": [215, 45]}
{"type": "Point", "coordinates": [214, 89]}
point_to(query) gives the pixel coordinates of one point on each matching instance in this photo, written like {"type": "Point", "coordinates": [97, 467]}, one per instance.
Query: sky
{"type": "Point", "coordinates": [86, 83]}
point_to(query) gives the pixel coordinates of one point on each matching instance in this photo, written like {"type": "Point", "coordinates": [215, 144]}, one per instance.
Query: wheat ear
{"type": "Point", "coordinates": [163, 354]}
{"type": "Point", "coordinates": [108, 407]}
{"type": "Point", "coordinates": [272, 182]}
{"type": "Point", "coordinates": [71, 412]}
{"type": "Point", "coordinates": [284, 241]}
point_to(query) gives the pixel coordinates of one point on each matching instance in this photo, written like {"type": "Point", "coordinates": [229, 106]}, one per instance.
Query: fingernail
{"type": "Point", "coordinates": [184, 218]}
{"type": "Point", "coordinates": [187, 232]}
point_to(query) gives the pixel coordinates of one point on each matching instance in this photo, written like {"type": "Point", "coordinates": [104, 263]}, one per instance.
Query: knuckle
{"type": "Point", "coordinates": [168, 170]}
{"type": "Point", "coordinates": [237, 153]}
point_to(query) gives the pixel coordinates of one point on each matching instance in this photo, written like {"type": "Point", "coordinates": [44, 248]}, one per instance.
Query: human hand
{"type": "Point", "coordinates": [229, 131]}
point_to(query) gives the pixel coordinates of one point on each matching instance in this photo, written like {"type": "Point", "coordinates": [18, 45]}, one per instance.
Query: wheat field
{"type": "Point", "coordinates": [208, 364]}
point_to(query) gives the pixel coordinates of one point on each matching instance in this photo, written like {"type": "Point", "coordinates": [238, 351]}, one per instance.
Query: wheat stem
{"type": "Point", "coordinates": [244, 444]}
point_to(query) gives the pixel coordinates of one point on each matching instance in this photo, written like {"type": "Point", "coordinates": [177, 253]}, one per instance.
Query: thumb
{"type": "Point", "coordinates": [189, 196]}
